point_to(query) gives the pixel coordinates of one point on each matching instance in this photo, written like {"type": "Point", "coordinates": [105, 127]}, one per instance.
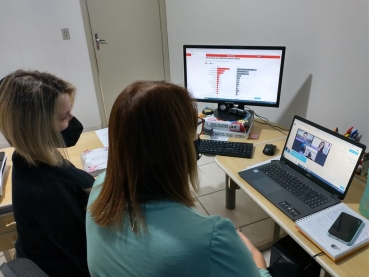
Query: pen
{"type": "Point", "coordinates": [347, 135]}
{"type": "Point", "coordinates": [349, 130]}
{"type": "Point", "coordinates": [336, 130]}
{"type": "Point", "coordinates": [353, 133]}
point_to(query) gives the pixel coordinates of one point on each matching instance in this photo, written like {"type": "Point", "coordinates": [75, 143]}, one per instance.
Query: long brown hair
{"type": "Point", "coordinates": [28, 114]}
{"type": "Point", "coordinates": [151, 153]}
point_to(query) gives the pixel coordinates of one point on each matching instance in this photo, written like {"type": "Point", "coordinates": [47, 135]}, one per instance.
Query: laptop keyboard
{"type": "Point", "coordinates": [226, 148]}
{"type": "Point", "coordinates": [301, 190]}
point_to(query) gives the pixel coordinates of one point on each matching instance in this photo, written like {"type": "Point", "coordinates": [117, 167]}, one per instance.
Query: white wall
{"type": "Point", "coordinates": [326, 66]}
{"type": "Point", "coordinates": [31, 39]}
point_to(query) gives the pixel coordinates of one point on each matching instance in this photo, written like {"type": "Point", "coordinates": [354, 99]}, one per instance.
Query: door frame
{"type": "Point", "coordinates": [93, 60]}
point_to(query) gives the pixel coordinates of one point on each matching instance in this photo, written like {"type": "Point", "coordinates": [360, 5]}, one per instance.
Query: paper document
{"type": "Point", "coordinates": [316, 227]}
{"type": "Point", "coordinates": [103, 136]}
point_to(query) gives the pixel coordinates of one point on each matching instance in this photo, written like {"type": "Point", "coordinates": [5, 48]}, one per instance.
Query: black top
{"type": "Point", "coordinates": [49, 205]}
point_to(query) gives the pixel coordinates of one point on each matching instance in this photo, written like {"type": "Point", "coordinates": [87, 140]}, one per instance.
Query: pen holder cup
{"type": "Point", "coordinates": [364, 202]}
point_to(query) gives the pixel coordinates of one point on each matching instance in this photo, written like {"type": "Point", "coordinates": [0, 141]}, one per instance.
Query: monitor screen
{"type": "Point", "coordinates": [228, 75]}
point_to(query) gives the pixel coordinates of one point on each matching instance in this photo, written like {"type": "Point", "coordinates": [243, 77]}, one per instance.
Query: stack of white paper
{"type": "Point", "coordinates": [95, 161]}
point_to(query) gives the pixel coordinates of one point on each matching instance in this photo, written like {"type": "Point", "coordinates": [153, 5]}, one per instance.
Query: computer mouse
{"type": "Point", "coordinates": [269, 149]}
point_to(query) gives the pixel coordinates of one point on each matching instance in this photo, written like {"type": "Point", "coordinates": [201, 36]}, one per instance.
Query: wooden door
{"type": "Point", "coordinates": [132, 49]}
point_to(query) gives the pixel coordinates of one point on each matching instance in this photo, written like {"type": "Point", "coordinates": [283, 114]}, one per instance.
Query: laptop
{"type": "Point", "coordinates": [314, 172]}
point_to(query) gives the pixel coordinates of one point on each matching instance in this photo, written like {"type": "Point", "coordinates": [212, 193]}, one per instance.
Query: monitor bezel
{"type": "Point", "coordinates": [241, 47]}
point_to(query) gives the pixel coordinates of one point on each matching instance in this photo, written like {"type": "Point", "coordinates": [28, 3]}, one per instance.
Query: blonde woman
{"type": "Point", "coordinates": [49, 193]}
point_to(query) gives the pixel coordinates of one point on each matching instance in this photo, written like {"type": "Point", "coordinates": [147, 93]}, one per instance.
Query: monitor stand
{"type": "Point", "coordinates": [222, 112]}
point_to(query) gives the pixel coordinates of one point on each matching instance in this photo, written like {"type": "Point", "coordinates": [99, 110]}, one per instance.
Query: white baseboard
{"type": "Point", "coordinates": [91, 128]}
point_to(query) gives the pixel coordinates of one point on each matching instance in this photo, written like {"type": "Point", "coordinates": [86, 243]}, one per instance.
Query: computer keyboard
{"type": "Point", "coordinates": [302, 191]}
{"type": "Point", "coordinates": [226, 148]}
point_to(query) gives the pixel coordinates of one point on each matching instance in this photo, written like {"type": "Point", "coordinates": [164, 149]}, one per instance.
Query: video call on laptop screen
{"type": "Point", "coordinates": [323, 155]}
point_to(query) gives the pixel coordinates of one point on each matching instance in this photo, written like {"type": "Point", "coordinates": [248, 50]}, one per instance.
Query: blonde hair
{"type": "Point", "coordinates": [151, 153]}
{"type": "Point", "coordinates": [28, 114]}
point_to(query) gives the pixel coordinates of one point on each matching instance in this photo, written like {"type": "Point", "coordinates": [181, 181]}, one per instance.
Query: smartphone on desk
{"type": "Point", "coordinates": [346, 228]}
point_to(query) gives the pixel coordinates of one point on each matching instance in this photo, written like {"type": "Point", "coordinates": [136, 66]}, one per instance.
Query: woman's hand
{"type": "Point", "coordinates": [256, 254]}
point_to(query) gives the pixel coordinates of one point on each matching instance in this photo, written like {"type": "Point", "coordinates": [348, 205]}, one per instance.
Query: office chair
{"type": "Point", "coordinates": [21, 267]}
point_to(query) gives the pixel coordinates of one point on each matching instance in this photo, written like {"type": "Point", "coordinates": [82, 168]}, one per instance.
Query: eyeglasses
{"type": "Point", "coordinates": [200, 122]}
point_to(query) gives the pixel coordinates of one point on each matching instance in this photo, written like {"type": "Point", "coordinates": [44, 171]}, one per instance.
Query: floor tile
{"type": "Point", "coordinates": [12, 252]}
{"type": "Point", "coordinates": [282, 233]}
{"type": "Point", "coordinates": [9, 254]}
{"type": "Point", "coordinates": [199, 208]}
{"type": "Point", "coordinates": [2, 260]}
{"type": "Point", "coordinates": [260, 232]}
{"type": "Point", "coordinates": [211, 177]}
{"type": "Point", "coordinates": [246, 211]}
{"type": "Point", "coordinates": [324, 274]}
{"type": "Point", "coordinates": [205, 159]}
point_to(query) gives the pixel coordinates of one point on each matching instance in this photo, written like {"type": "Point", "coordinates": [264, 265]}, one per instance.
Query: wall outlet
{"type": "Point", "coordinates": [65, 33]}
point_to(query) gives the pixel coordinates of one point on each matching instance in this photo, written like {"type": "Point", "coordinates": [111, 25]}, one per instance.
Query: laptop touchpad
{"type": "Point", "coordinates": [266, 185]}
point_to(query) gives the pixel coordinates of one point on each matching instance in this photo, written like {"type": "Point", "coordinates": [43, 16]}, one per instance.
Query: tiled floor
{"type": "Point", "coordinates": [255, 223]}
{"type": "Point", "coordinates": [2, 258]}
{"type": "Point", "coordinates": [7, 256]}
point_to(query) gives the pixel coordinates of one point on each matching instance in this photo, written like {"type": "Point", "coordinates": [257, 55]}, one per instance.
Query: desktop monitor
{"type": "Point", "coordinates": [234, 75]}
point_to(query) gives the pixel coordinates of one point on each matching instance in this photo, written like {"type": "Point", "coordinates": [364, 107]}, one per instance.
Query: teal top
{"type": "Point", "coordinates": [178, 242]}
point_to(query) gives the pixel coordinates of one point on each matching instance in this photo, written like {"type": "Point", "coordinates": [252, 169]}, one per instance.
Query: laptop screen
{"type": "Point", "coordinates": [323, 154]}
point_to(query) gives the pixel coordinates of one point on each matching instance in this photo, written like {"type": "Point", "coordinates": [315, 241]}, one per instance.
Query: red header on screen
{"type": "Point", "coordinates": [242, 56]}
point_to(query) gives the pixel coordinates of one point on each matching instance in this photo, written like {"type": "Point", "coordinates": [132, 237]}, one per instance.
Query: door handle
{"type": "Point", "coordinates": [97, 40]}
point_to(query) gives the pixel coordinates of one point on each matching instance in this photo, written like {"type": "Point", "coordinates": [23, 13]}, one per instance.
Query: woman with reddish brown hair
{"type": "Point", "coordinates": [140, 220]}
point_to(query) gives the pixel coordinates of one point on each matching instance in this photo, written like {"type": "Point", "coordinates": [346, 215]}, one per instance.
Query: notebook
{"type": "Point", "coordinates": [317, 167]}
{"type": "Point", "coordinates": [316, 226]}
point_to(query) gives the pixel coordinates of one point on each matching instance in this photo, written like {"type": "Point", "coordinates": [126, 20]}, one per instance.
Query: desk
{"type": "Point", "coordinates": [356, 264]}
{"type": "Point", "coordinates": [8, 233]}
